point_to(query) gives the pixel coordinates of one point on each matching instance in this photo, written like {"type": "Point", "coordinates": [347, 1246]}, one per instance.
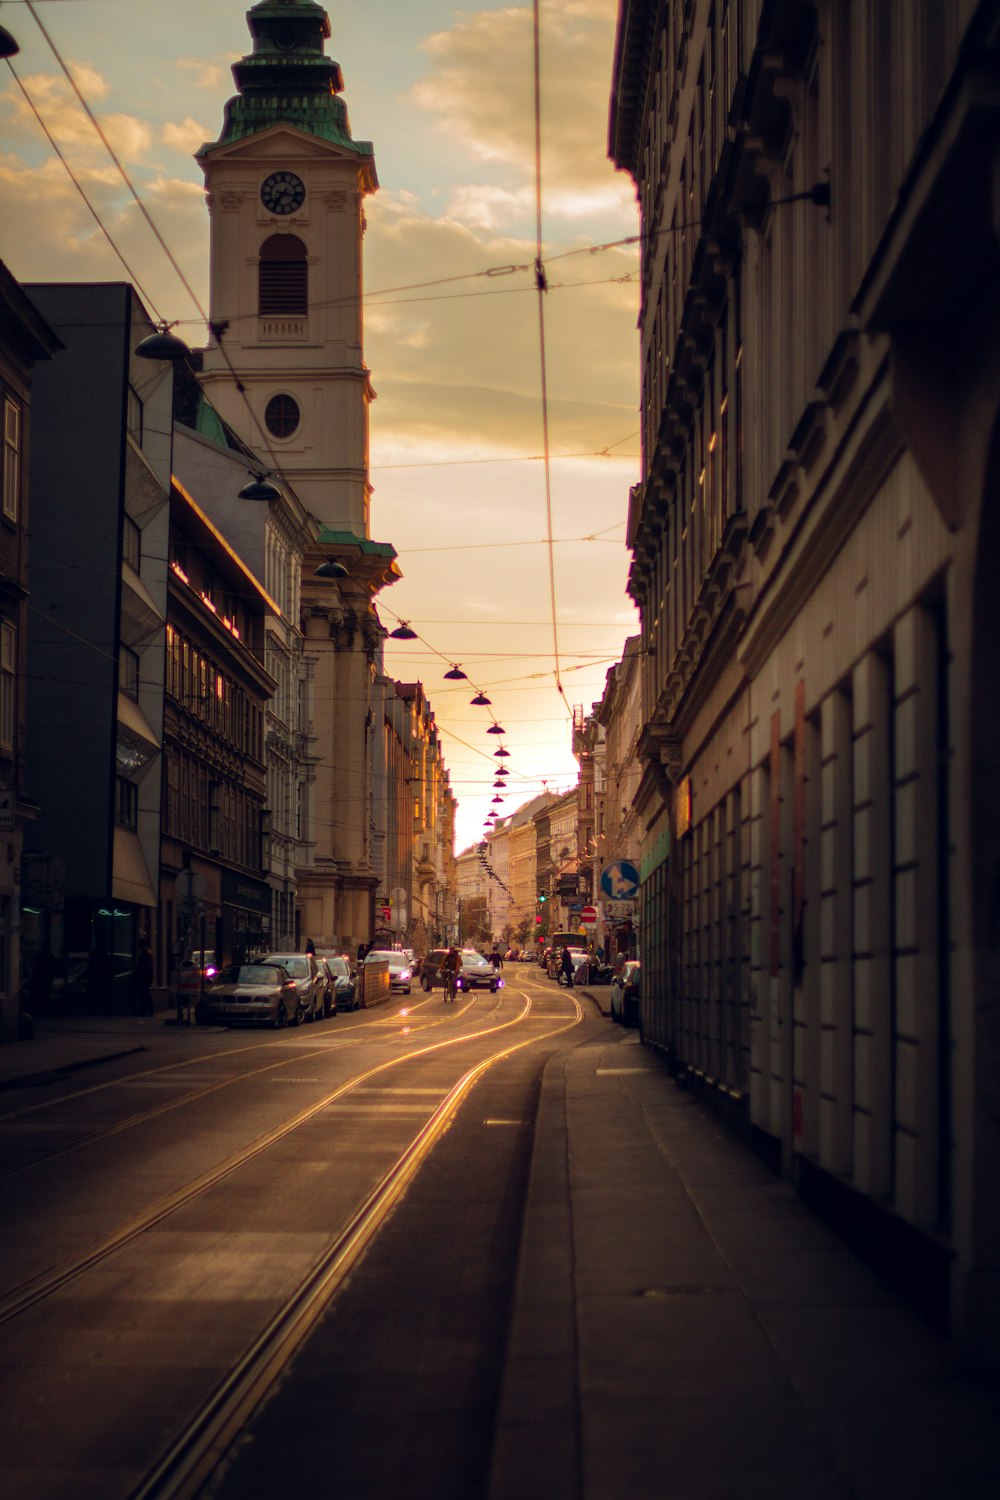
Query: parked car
{"type": "Point", "coordinates": [625, 994]}
{"type": "Point", "coordinates": [477, 971]}
{"type": "Point", "coordinates": [259, 993]}
{"type": "Point", "coordinates": [310, 983]}
{"type": "Point", "coordinates": [400, 967]}
{"type": "Point", "coordinates": [344, 993]}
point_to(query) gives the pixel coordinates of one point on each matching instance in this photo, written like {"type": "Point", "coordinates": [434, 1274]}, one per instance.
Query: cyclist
{"type": "Point", "coordinates": [452, 970]}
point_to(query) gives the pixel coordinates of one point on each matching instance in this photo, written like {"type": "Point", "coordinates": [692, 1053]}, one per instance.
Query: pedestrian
{"type": "Point", "coordinates": [310, 947]}
{"type": "Point", "coordinates": [142, 980]}
{"type": "Point", "coordinates": [496, 959]}
{"type": "Point", "coordinates": [566, 966]}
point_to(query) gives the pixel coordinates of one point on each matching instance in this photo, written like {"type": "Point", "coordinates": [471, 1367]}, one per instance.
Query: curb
{"type": "Point", "coordinates": [53, 1075]}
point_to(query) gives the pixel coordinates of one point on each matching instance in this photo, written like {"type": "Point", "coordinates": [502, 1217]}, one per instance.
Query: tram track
{"type": "Point", "coordinates": [19, 1299]}
{"type": "Point", "coordinates": [189, 1462]}
{"type": "Point", "coordinates": [142, 1117]}
{"type": "Point", "coordinates": [253, 1249]}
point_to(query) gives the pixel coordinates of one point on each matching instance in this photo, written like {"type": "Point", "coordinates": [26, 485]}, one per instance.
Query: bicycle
{"type": "Point", "coordinates": [450, 986]}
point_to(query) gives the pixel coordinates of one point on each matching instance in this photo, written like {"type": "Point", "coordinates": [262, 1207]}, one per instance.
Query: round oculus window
{"type": "Point", "coordinates": [281, 416]}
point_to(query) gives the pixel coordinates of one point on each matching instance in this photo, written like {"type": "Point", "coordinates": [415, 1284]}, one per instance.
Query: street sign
{"type": "Point", "coordinates": [588, 916]}
{"type": "Point", "coordinates": [620, 909]}
{"type": "Point", "coordinates": [620, 881]}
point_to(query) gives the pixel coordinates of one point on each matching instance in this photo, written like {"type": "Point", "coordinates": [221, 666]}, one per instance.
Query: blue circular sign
{"type": "Point", "coordinates": [620, 881]}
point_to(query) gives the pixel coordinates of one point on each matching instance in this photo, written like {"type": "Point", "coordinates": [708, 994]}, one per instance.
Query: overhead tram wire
{"type": "Point", "coordinates": [147, 299]}
{"type": "Point", "coordinates": [217, 329]}
{"type": "Point", "coordinates": [540, 284]}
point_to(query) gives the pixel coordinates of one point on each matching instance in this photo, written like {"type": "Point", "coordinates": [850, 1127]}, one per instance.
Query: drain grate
{"type": "Point", "coordinates": [620, 1072]}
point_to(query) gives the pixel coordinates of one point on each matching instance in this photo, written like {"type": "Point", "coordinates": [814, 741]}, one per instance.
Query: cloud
{"type": "Point", "coordinates": [479, 92]}
{"type": "Point", "coordinates": [208, 73]}
{"type": "Point", "coordinates": [185, 135]}
{"type": "Point", "coordinates": [67, 122]}
{"type": "Point", "coordinates": [457, 361]}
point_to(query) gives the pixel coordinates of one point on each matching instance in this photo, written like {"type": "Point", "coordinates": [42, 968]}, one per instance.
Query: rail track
{"type": "Point", "coordinates": [220, 1410]}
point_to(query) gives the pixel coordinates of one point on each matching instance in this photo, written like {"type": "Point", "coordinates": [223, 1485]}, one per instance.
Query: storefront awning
{"type": "Point", "coordinates": [130, 881]}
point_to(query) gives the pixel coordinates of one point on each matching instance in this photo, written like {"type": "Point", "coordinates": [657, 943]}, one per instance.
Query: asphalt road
{"type": "Point", "coordinates": [250, 1263]}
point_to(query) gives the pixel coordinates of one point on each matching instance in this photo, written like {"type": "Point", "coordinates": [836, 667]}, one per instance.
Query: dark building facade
{"type": "Point", "coordinates": [25, 340]}
{"type": "Point", "coordinates": [100, 475]}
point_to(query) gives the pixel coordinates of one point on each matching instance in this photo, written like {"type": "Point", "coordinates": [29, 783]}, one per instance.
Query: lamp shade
{"type": "Point", "coordinates": [480, 701]}
{"type": "Point", "coordinates": [8, 46]}
{"type": "Point", "coordinates": [501, 754]}
{"type": "Point", "coordinates": [496, 729]}
{"type": "Point", "coordinates": [261, 489]}
{"type": "Point", "coordinates": [456, 674]}
{"type": "Point", "coordinates": [159, 345]}
{"type": "Point", "coordinates": [332, 569]}
{"type": "Point", "coordinates": [402, 632]}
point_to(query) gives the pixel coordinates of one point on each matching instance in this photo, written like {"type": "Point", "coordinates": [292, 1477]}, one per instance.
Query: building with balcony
{"type": "Point", "coordinates": [215, 895]}
{"type": "Point", "coordinates": [272, 538]}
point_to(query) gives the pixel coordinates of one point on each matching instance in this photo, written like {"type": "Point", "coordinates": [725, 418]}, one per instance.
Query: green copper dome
{"type": "Point", "coordinates": [288, 79]}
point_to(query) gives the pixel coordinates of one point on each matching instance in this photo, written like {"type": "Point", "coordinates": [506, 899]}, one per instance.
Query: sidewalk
{"type": "Point", "coordinates": [684, 1329]}
{"type": "Point", "coordinates": [65, 1044]}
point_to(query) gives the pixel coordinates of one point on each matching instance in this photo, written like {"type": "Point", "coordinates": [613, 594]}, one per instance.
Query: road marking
{"type": "Point", "coordinates": [506, 1122]}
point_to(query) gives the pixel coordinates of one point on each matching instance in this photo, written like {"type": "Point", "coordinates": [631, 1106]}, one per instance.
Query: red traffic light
{"type": "Point", "coordinates": [538, 919]}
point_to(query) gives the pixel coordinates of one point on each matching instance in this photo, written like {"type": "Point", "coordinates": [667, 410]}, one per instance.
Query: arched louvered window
{"type": "Point", "coordinates": [284, 277]}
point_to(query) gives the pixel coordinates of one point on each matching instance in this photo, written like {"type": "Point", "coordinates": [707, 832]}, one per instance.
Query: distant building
{"type": "Point", "coordinates": [815, 545]}
{"type": "Point", "coordinates": [607, 748]}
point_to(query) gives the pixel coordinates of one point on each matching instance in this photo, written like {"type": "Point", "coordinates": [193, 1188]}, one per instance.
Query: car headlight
{"type": "Point", "coordinates": [404, 974]}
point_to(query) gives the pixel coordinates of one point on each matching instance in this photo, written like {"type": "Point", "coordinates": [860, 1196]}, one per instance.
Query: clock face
{"type": "Point", "coordinates": [282, 193]}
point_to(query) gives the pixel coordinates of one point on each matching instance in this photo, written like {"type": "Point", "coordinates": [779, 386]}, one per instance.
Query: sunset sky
{"type": "Point", "coordinates": [445, 92]}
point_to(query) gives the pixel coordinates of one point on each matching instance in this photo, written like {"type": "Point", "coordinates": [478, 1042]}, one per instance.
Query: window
{"type": "Point", "coordinates": [284, 277]}
{"type": "Point", "coordinates": [128, 672]}
{"type": "Point", "coordinates": [11, 458]}
{"type": "Point", "coordinates": [282, 416]}
{"type": "Point", "coordinates": [134, 414]}
{"type": "Point", "coordinates": [8, 684]}
{"type": "Point", "coordinates": [126, 803]}
{"type": "Point", "coordinates": [131, 544]}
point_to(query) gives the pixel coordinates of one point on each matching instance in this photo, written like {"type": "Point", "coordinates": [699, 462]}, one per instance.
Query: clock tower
{"type": "Point", "coordinates": [285, 184]}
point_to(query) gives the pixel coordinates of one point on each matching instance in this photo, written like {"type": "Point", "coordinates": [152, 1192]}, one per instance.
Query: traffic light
{"type": "Point", "coordinates": [538, 919]}
{"type": "Point", "coordinates": [543, 896]}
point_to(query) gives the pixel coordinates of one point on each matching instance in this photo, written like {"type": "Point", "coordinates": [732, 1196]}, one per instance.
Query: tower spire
{"type": "Point", "coordinates": [288, 78]}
